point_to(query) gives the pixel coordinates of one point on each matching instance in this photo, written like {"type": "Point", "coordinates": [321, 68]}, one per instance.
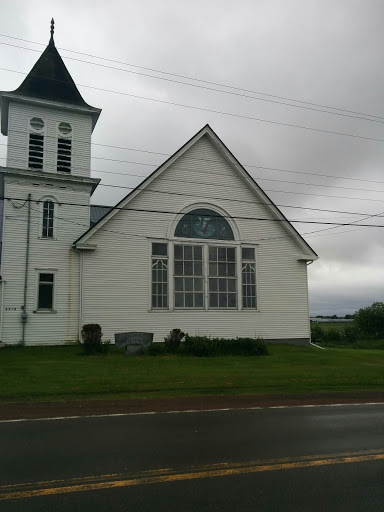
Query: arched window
{"type": "Point", "coordinates": [204, 223]}
{"type": "Point", "coordinates": [48, 218]}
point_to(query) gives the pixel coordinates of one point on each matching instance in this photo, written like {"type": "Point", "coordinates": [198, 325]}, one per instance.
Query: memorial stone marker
{"type": "Point", "coordinates": [134, 342]}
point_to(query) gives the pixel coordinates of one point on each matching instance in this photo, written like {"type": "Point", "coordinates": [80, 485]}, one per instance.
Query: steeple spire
{"type": "Point", "coordinates": [51, 41]}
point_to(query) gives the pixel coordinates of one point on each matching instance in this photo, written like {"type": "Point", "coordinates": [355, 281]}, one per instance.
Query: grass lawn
{"type": "Point", "coordinates": [58, 373]}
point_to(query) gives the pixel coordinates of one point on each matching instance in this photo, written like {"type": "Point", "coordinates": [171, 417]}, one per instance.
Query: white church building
{"type": "Point", "coordinates": [165, 256]}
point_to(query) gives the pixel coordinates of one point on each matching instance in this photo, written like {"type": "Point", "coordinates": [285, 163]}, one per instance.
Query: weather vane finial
{"type": "Point", "coordinates": [52, 30]}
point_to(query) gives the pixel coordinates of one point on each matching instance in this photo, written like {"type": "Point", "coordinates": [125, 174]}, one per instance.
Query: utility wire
{"type": "Point", "coordinates": [213, 111]}
{"type": "Point", "coordinates": [170, 212]}
{"type": "Point", "coordinates": [203, 172]}
{"type": "Point", "coordinates": [380, 118]}
{"type": "Point", "coordinates": [375, 119]}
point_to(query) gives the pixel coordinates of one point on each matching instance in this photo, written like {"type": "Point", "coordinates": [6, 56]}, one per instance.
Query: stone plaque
{"type": "Point", "coordinates": [134, 342]}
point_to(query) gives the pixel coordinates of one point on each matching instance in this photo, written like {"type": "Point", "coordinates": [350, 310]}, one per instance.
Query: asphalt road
{"type": "Point", "coordinates": [289, 459]}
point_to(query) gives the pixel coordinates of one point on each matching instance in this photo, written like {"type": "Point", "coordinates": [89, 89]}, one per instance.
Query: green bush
{"type": "Point", "coordinates": [173, 340]}
{"type": "Point", "coordinates": [155, 349]}
{"type": "Point", "coordinates": [370, 320]}
{"type": "Point", "coordinates": [91, 335]}
{"type": "Point", "coordinates": [202, 346]}
{"type": "Point", "coordinates": [317, 333]}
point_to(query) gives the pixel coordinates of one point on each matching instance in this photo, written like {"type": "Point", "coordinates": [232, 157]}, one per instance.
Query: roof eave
{"type": "Point", "coordinates": [6, 96]}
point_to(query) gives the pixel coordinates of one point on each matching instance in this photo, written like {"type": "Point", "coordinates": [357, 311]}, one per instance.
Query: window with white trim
{"type": "Point", "coordinates": [64, 148]}
{"type": "Point", "coordinates": [216, 273]}
{"type": "Point", "coordinates": [189, 277]}
{"type": "Point", "coordinates": [45, 291]}
{"type": "Point", "coordinates": [159, 276]}
{"type": "Point", "coordinates": [36, 143]}
{"type": "Point", "coordinates": [48, 219]}
{"type": "Point", "coordinates": [248, 276]}
{"type": "Point", "coordinates": [222, 277]}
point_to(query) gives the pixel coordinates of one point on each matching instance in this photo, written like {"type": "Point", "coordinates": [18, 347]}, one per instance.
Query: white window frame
{"type": "Point", "coordinates": [249, 246]}
{"type": "Point", "coordinates": [70, 137]}
{"type": "Point", "coordinates": [42, 132]}
{"type": "Point", "coordinates": [39, 271]}
{"type": "Point", "coordinates": [41, 213]}
{"type": "Point", "coordinates": [205, 244]}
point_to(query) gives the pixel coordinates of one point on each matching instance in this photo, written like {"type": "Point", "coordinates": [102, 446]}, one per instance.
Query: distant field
{"type": "Point", "coordinates": [332, 325]}
{"type": "Point", "coordinates": [63, 373]}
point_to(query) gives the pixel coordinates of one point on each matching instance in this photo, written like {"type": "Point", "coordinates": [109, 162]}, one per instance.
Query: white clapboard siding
{"type": "Point", "coordinates": [117, 274]}
{"type": "Point", "coordinates": [71, 222]}
{"type": "Point", "coordinates": [18, 137]}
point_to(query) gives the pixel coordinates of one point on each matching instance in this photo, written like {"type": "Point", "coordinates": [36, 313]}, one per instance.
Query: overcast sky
{"type": "Point", "coordinates": [323, 52]}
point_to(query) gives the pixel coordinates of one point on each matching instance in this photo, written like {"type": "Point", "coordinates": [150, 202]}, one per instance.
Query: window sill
{"type": "Point", "coordinates": [47, 238]}
{"type": "Point", "coordinates": [45, 311]}
{"type": "Point", "coordinates": [199, 310]}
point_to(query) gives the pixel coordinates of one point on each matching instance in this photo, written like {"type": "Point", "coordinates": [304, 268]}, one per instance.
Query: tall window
{"type": "Point", "coordinates": [188, 272]}
{"type": "Point", "coordinates": [248, 275]}
{"type": "Point", "coordinates": [48, 218]}
{"type": "Point", "coordinates": [36, 143]}
{"type": "Point", "coordinates": [222, 277]}
{"type": "Point", "coordinates": [159, 276]}
{"type": "Point", "coordinates": [64, 148]}
{"type": "Point", "coordinates": [45, 292]}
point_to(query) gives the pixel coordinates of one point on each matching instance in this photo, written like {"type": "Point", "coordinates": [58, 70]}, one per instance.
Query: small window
{"type": "Point", "coordinates": [48, 217]}
{"type": "Point", "coordinates": [64, 148]}
{"type": "Point", "coordinates": [45, 295]}
{"type": "Point", "coordinates": [159, 249]}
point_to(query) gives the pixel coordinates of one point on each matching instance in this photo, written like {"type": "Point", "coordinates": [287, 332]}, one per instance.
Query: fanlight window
{"type": "Point", "coordinates": [204, 223]}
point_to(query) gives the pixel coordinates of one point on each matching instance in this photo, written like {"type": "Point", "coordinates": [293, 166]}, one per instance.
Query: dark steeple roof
{"type": "Point", "coordinates": [49, 79]}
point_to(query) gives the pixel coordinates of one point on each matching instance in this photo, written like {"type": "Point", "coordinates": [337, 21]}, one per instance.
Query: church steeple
{"type": "Point", "coordinates": [49, 80]}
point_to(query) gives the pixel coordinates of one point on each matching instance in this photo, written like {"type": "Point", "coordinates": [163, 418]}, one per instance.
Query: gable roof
{"type": "Point", "coordinates": [206, 130]}
{"type": "Point", "coordinates": [97, 213]}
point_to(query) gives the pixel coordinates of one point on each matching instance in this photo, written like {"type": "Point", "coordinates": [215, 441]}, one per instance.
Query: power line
{"type": "Point", "coordinates": [191, 157]}
{"type": "Point", "coordinates": [170, 212]}
{"type": "Point", "coordinates": [190, 78]}
{"type": "Point", "coordinates": [213, 173]}
{"type": "Point", "coordinates": [374, 119]}
{"type": "Point", "coordinates": [295, 237]}
{"type": "Point", "coordinates": [213, 111]}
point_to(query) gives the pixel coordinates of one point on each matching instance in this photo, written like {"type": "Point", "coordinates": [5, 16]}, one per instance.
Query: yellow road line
{"type": "Point", "coordinates": [202, 472]}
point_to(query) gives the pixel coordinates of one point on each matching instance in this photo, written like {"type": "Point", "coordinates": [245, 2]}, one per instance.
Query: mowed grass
{"type": "Point", "coordinates": [63, 373]}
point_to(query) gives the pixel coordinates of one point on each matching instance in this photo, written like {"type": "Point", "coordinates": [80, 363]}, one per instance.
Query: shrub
{"type": "Point", "coordinates": [155, 349]}
{"type": "Point", "coordinates": [91, 335]}
{"type": "Point", "coordinates": [370, 320]}
{"type": "Point", "coordinates": [173, 340]}
{"type": "Point", "coordinates": [317, 333]}
{"type": "Point", "coordinates": [202, 346]}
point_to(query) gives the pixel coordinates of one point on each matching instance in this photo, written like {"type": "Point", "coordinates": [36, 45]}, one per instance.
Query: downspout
{"type": "Point", "coordinates": [81, 267]}
{"type": "Point", "coordinates": [24, 315]}
{"type": "Point", "coordinates": [2, 309]}
{"type": "Point", "coordinates": [310, 341]}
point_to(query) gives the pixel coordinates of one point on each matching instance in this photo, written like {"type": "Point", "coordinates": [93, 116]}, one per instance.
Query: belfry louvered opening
{"type": "Point", "coordinates": [36, 151]}
{"type": "Point", "coordinates": [64, 148]}
{"type": "Point", "coordinates": [64, 155]}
